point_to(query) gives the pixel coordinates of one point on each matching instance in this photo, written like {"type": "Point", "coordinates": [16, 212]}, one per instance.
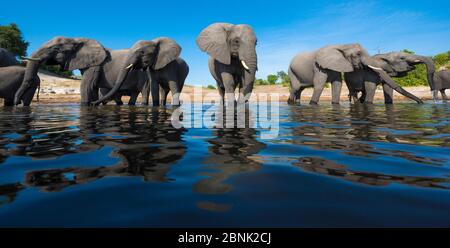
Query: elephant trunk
{"type": "Point", "coordinates": [30, 74]}
{"type": "Point", "coordinates": [388, 80]}
{"type": "Point", "coordinates": [430, 73]}
{"type": "Point", "coordinates": [120, 80]}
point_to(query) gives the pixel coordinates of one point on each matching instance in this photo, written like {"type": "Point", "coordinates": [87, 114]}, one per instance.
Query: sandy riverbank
{"type": "Point", "coordinates": [63, 90]}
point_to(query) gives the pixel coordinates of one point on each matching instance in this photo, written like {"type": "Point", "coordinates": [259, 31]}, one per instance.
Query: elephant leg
{"type": "Point", "coordinates": [173, 86]}
{"type": "Point", "coordinates": [362, 99]}
{"type": "Point", "coordinates": [370, 89]}
{"type": "Point", "coordinates": [27, 98]}
{"type": "Point", "coordinates": [89, 87]}
{"type": "Point", "coordinates": [320, 78]}
{"type": "Point", "coordinates": [388, 94]}
{"type": "Point", "coordinates": [133, 98]}
{"type": "Point", "coordinates": [163, 93]}
{"type": "Point", "coordinates": [154, 85]}
{"type": "Point", "coordinates": [292, 96]}
{"type": "Point", "coordinates": [336, 87]}
{"type": "Point", "coordinates": [228, 82]}
{"type": "Point", "coordinates": [146, 92]}
{"type": "Point", "coordinates": [118, 99]}
{"type": "Point", "coordinates": [444, 96]}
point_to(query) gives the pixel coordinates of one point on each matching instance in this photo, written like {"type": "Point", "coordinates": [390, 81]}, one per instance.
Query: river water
{"type": "Point", "coordinates": [327, 166]}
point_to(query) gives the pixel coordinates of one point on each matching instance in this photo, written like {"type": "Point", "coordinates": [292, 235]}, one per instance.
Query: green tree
{"type": "Point", "coordinates": [12, 40]}
{"type": "Point", "coordinates": [284, 78]}
{"type": "Point", "coordinates": [212, 87]}
{"type": "Point", "coordinates": [272, 79]}
{"type": "Point", "coordinates": [260, 81]}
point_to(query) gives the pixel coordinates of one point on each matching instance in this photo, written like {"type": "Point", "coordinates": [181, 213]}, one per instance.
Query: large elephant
{"type": "Point", "coordinates": [314, 69]}
{"type": "Point", "coordinates": [87, 55]}
{"type": "Point", "coordinates": [441, 83]}
{"type": "Point", "coordinates": [11, 76]}
{"type": "Point", "coordinates": [233, 59]}
{"type": "Point", "coordinates": [7, 58]}
{"type": "Point", "coordinates": [159, 58]}
{"type": "Point", "coordinates": [395, 64]}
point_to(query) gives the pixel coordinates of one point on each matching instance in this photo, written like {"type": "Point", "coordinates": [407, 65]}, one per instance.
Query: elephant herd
{"type": "Point", "coordinates": [155, 66]}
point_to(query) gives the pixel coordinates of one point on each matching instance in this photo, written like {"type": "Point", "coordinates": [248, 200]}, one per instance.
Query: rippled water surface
{"type": "Point", "coordinates": [128, 166]}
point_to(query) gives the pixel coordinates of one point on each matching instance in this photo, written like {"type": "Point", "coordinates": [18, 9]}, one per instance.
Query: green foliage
{"type": "Point", "coordinates": [261, 82]}
{"type": "Point", "coordinates": [418, 77]}
{"type": "Point", "coordinates": [211, 87]}
{"type": "Point", "coordinates": [12, 40]}
{"type": "Point", "coordinates": [280, 78]}
{"type": "Point", "coordinates": [285, 80]}
{"type": "Point", "coordinates": [272, 79]}
{"type": "Point", "coordinates": [57, 70]}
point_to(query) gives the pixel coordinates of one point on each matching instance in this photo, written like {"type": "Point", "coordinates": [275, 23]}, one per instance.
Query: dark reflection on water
{"type": "Point", "coordinates": [357, 165]}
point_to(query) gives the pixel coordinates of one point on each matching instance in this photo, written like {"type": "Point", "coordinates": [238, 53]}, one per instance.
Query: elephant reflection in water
{"type": "Point", "coordinates": [334, 129]}
{"type": "Point", "coordinates": [144, 140]}
{"type": "Point", "coordinates": [39, 136]}
{"type": "Point", "coordinates": [330, 168]}
{"type": "Point", "coordinates": [232, 151]}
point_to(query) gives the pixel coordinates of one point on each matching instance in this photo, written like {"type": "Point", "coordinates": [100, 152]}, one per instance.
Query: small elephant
{"type": "Point", "coordinates": [233, 59]}
{"type": "Point", "coordinates": [395, 64]}
{"type": "Point", "coordinates": [11, 78]}
{"type": "Point", "coordinates": [87, 55]}
{"type": "Point", "coordinates": [441, 83]}
{"type": "Point", "coordinates": [314, 69]}
{"type": "Point", "coordinates": [159, 58]}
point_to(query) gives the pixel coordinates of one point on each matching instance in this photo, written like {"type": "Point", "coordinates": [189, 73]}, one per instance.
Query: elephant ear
{"type": "Point", "coordinates": [333, 59]}
{"type": "Point", "coordinates": [89, 53]}
{"type": "Point", "coordinates": [168, 51]}
{"type": "Point", "coordinates": [7, 58]}
{"type": "Point", "coordinates": [214, 41]}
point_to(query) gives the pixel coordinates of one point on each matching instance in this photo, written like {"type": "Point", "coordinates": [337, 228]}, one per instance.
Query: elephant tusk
{"type": "Point", "coordinates": [374, 68]}
{"type": "Point", "coordinates": [128, 67]}
{"type": "Point", "coordinates": [245, 65]}
{"type": "Point", "coordinates": [30, 59]}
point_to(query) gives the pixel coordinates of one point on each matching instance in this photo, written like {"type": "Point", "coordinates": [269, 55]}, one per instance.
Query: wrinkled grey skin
{"type": "Point", "coordinates": [159, 59]}
{"type": "Point", "coordinates": [87, 55]}
{"type": "Point", "coordinates": [441, 83]}
{"type": "Point", "coordinates": [11, 78]}
{"type": "Point", "coordinates": [395, 64]}
{"type": "Point", "coordinates": [7, 58]}
{"type": "Point", "coordinates": [132, 84]}
{"type": "Point", "coordinates": [315, 69]}
{"type": "Point", "coordinates": [228, 45]}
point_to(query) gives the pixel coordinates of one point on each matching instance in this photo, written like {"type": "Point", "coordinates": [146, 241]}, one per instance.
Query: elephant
{"type": "Point", "coordinates": [11, 76]}
{"type": "Point", "coordinates": [158, 64]}
{"type": "Point", "coordinates": [233, 59]}
{"type": "Point", "coordinates": [314, 69]}
{"type": "Point", "coordinates": [395, 64]}
{"type": "Point", "coordinates": [442, 82]}
{"type": "Point", "coordinates": [7, 58]}
{"type": "Point", "coordinates": [84, 54]}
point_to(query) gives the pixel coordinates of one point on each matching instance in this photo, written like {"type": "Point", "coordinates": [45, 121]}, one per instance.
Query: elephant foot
{"type": "Point", "coordinates": [291, 102]}
{"type": "Point", "coordinates": [313, 103]}
{"type": "Point", "coordinates": [335, 103]}
{"type": "Point", "coordinates": [389, 102]}
{"type": "Point", "coordinates": [85, 104]}
{"type": "Point", "coordinates": [156, 104]}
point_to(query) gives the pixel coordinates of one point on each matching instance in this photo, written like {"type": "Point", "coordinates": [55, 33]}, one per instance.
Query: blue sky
{"type": "Point", "coordinates": [283, 28]}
